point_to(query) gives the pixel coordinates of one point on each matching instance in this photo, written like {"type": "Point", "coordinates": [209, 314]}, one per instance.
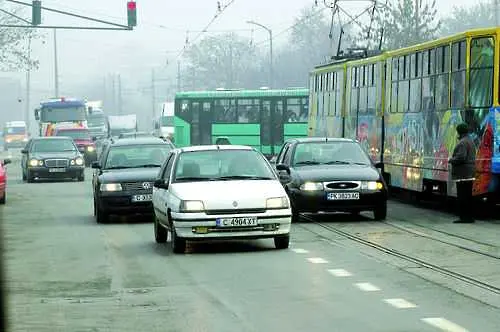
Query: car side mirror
{"type": "Point", "coordinates": [94, 138]}
{"type": "Point", "coordinates": [24, 151]}
{"type": "Point", "coordinates": [7, 161]}
{"type": "Point", "coordinates": [379, 165]}
{"type": "Point", "coordinates": [161, 184]}
{"type": "Point", "coordinates": [37, 114]}
{"type": "Point", "coordinates": [283, 167]}
{"type": "Point", "coordinates": [96, 165]}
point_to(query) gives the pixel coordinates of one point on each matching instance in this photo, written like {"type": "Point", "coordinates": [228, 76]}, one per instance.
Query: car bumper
{"type": "Point", "coordinates": [46, 173]}
{"type": "Point", "coordinates": [316, 201]}
{"type": "Point", "coordinates": [121, 203]}
{"type": "Point", "coordinates": [193, 226]}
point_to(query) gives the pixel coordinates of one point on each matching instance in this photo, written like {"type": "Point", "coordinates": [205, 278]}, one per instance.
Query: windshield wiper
{"type": "Point", "coordinates": [147, 165]}
{"type": "Point", "coordinates": [117, 167]}
{"type": "Point", "coordinates": [243, 177]}
{"type": "Point", "coordinates": [194, 178]}
{"type": "Point", "coordinates": [307, 162]}
{"type": "Point", "coordinates": [333, 162]}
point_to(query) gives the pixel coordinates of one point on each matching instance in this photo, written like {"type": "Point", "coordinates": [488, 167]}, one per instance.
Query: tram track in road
{"type": "Point", "coordinates": [392, 252]}
{"type": "Point", "coordinates": [427, 236]}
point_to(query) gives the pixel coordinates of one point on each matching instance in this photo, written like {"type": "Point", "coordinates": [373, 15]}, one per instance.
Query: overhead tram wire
{"type": "Point", "coordinates": [220, 11]}
{"type": "Point", "coordinates": [312, 15]}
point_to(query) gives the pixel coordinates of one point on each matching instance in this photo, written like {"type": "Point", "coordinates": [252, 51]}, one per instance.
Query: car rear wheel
{"type": "Point", "coordinates": [282, 242]}
{"type": "Point", "coordinates": [81, 177]}
{"type": "Point", "coordinates": [178, 244]}
{"type": "Point", "coordinates": [24, 175]}
{"type": "Point", "coordinates": [161, 234]}
{"type": "Point", "coordinates": [380, 213]}
{"type": "Point", "coordinates": [29, 178]}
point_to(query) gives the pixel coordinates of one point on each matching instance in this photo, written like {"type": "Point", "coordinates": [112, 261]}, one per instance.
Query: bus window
{"type": "Point", "coordinates": [278, 123]}
{"type": "Point", "coordinates": [245, 110]}
{"type": "Point", "coordinates": [481, 72]}
{"type": "Point", "coordinates": [225, 111]}
{"type": "Point", "coordinates": [292, 110]}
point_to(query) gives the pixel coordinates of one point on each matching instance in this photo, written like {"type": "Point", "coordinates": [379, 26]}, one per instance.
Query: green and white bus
{"type": "Point", "coordinates": [263, 118]}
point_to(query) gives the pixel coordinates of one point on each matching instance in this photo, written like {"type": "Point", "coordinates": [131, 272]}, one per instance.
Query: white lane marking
{"type": "Point", "coordinates": [400, 303]}
{"type": "Point", "coordinates": [444, 324]}
{"type": "Point", "coordinates": [367, 287]}
{"type": "Point", "coordinates": [340, 272]}
{"type": "Point", "coordinates": [300, 251]}
{"type": "Point", "coordinates": [317, 260]}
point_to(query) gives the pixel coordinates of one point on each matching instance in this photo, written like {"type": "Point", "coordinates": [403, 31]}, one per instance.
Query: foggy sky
{"type": "Point", "coordinates": [86, 57]}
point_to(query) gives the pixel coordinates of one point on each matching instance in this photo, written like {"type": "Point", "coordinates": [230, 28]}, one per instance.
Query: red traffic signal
{"type": "Point", "coordinates": [132, 13]}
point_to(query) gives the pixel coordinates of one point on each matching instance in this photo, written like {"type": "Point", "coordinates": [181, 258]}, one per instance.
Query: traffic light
{"type": "Point", "coordinates": [36, 12]}
{"type": "Point", "coordinates": [132, 13]}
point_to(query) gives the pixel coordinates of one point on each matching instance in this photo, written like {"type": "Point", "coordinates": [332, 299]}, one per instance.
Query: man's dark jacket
{"type": "Point", "coordinates": [463, 160]}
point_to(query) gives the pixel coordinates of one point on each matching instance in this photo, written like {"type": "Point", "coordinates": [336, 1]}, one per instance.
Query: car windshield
{"type": "Point", "coordinates": [136, 156]}
{"type": "Point", "coordinates": [329, 153]}
{"type": "Point", "coordinates": [75, 134]}
{"type": "Point", "coordinates": [53, 145]}
{"type": "Point", "coordinates": [16, 130]}
{"type": "Point", "coordinates": [222, 165]}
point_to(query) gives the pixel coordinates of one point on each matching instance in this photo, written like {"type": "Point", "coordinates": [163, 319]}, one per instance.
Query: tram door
{"type": "Point", "coordinates": [271, 125]}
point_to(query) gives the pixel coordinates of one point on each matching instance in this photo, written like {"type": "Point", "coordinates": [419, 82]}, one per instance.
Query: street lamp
{"type": "Point", "coordinates": [271, 73]}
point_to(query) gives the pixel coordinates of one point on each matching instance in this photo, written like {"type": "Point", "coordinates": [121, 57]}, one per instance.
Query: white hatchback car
{"type": "Point", "coordinates": [219, 192]}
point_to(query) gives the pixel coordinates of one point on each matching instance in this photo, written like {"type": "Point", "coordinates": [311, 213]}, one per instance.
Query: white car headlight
{"type": "Point", "coordinates": [79, 161]}
{"type": "Point", "coordinates": [90, 149]}
{"type": "Point", "coordinates": [35, 163]}
{"type": "Point", "coordinates": [372, 185]}
{"type": "Point", "coordinates": [111, 187]}
{"type": "Point", "coordinates": [311, 186]}
{"type": "Point", "coordinates": [277, 203]}
{"type": "Point", "coordinates": [192, 206]}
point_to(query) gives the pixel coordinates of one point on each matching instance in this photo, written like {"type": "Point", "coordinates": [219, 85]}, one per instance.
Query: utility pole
{"type": "Point", "coordinates": [56, 69]}
{"type": "Point", "coordinates": [178, 75]}
{"type": "Point", "coordinates": [113, 94]}
{"type": "Point", "coordinates": [119, 95]}
{"type": "Point", "coordinates": [153, 94]}
{"type": "Point", "coordinates": [271, 64]}
{"type": "Point", "coordinates": [28, 89]}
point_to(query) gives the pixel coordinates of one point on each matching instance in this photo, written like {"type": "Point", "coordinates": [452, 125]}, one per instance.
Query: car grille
{"type": "Point", "coordinates": [56, 162]}
{"type": "Point", "coordinates": [138, 186]}
{"type": "Point", "coordinates": [240, 211]}
{"type": "Point", "coordinates": [343, 185]}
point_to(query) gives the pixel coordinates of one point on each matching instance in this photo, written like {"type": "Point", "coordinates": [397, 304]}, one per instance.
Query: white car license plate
{"type": "Point", "coordinates": [236, 222]}
{"type": "Point", "coordinates": [57, 170]}
{"type": "Point", "coordinates": [142, 198]}
{"type": "Point", "coordinates": [342, 196]}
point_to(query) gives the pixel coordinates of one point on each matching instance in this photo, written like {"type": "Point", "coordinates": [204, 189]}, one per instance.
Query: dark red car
{"type": "Point", "coordinates": [82, 139]}
{"type": "Point", "coordinates": [3, 180]}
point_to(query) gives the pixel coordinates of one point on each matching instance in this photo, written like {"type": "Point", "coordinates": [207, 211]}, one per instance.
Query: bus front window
{"type": "Point", "coordinates": [63, 114]}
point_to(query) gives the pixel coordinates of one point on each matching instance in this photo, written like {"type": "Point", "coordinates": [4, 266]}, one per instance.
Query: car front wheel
{"type": "Point", "coordinates": [101, 217]}
{"type": "Point", "coordinates": [161, 234]}
{"type": "Point", "coordinates": [178, 244]}
{"type": "Point", "coordinates": [282, 242]}
{"type": "Point", "coordinates": [380, 213]}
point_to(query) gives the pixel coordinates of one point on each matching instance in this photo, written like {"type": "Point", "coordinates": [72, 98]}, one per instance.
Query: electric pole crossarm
{"type": "Point", "coordinates": [15, 16]}
{"type": "Point", "coordinates": [71, 14]}
{"type": "Point", "coordinates": [59, 27]}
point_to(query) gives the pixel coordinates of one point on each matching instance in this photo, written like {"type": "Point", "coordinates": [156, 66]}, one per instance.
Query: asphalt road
{"type": "Point", "coordinates": [67, 273]}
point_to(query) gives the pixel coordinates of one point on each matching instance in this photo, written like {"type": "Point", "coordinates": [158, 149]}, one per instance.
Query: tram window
{"type": "Point", "coordinates": [458, 89]}
{"type": "Point", "coordinates": [401, 66]}
{"type": "Point", "coordinates": [428, 103]}
{"type": "Point", "coordinates": [362, 100]}
{"type": "Point", "coordinates": [442, 92]}
{"type": "Point", "coordinates": [432, 61]}
{"type": "Point", "coordinates": [413, 65]}
{"type": "Point", "coordinates": [354, 101]}
{"type": "Point", "coordinates": [425, 63]}
{"type": "Point", "coordinates": [372, 100]}
{"type": "Point", "coordinates": [394, 97]}
{"type": "Point", "coordinates": [316, 88]}
{"type": "Point", "coordinates": [407, 66]}
{"type": "Point", "coordinates": [420, 64]}
{"type": "Point", "coordinates": [304, 111]}
{"type": "Point", "coordinates": [415, 95]}
{"type": "Point", "coordinates": [403, 96]}
{"type": "Point", "coordinates": [339, 93]}
{"type": "Point", "coordinates": [394, 69]}
{"type": "Point", "coordinates": [388, 87]}
{"type": "Point", "coordinates": [481, 72]}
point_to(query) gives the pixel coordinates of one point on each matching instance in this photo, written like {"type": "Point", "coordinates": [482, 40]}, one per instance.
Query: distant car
{"type": "Point", "coordinates": [3, 180]}
{"type": "Point", "coordinates": [52, 158]}
{"type": "Point", "coordinates": [82, 139]}
{"type": "Point", "coordinates": [329, 175]}
{"type": "Point", "coordinates": [125, 172]}
{"type": "Point", "coordinates": [222, 140]}
{"type": "Point", "coordinates": [219, 192]}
